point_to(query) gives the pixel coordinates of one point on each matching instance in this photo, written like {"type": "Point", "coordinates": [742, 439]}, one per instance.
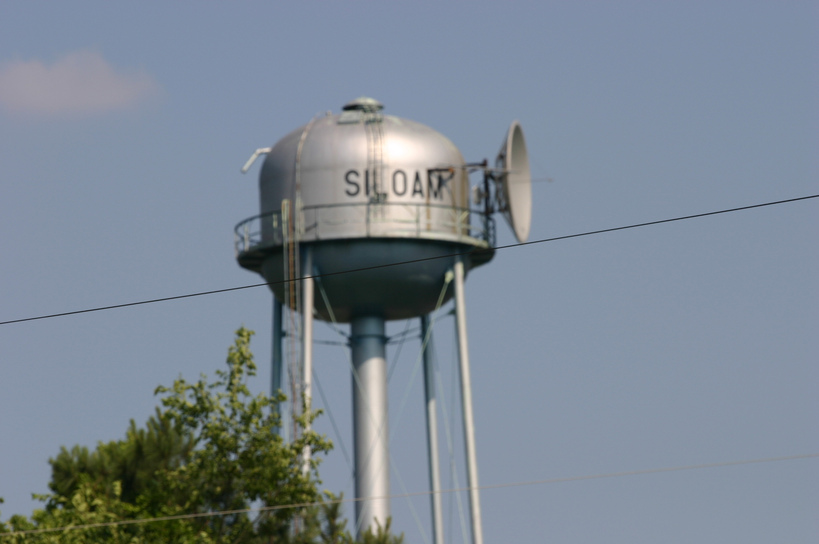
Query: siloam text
{"type": "Point", "coordinates": [430, 185]}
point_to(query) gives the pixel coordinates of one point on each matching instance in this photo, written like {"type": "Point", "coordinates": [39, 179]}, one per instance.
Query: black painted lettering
{"type": "Point", "coordinates": [403, 176]}
{"type": "Point", "coordinates": [431, 190]}
{"type": "Point", "coordinates": [442, 181]}
{"type": "Point", "coordinates": [354, 188]}
{"type": "Point", "coordinates": [418, 186]}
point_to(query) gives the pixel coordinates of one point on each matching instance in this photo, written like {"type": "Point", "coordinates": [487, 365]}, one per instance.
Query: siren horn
{"type": "Point", "coordinates": [515, 192]}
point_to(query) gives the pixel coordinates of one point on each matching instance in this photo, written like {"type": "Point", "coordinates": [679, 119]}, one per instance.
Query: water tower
{"type": "Point", "coordinates": [365, 218]}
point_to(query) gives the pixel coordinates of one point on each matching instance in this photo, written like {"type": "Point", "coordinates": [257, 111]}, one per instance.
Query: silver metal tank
{"type": "Point", "coordinates": [370, 190]}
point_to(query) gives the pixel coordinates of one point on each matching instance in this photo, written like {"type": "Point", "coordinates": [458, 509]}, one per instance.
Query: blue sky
{"type": "Point", "coordinates": [122, 131]}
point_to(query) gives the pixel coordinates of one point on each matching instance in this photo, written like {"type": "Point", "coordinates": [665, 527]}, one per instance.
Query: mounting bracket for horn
{"type": "Point", "coordinates": [507, 188]}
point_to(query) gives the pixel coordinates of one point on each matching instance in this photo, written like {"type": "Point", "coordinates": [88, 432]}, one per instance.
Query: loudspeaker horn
{"type": "Point", "coordinates": [515, 191]}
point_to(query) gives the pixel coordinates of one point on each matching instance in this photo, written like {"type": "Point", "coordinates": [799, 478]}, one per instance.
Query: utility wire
{"type": "Point", "coordinates": [417, 493]}
{"type": "Point", "coordinates": [400, 263]}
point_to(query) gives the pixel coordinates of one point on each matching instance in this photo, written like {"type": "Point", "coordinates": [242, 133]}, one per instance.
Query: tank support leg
{"type": "Point", "coordinates": [308, 290]}
{"type": "Point", "coordinates": [277, 372]}
{"type": "Point", "coordinates": [466, 401]}
{"type": "Point", "coordinates": [370, 431]}
{"type": "Point", "coordinates": [432, 433]}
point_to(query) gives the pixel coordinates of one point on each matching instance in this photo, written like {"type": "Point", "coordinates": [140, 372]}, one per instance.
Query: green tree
{"type": "Point", "coordinates": [237, 460]}
{"type": "Point", "coordinates": [210, 448]}
{"type": "Point", "coordinates": [164, 444]}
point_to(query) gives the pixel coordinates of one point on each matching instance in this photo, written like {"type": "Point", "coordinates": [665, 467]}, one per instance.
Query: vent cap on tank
{"type": "Point", "coordinates": [363, 103]}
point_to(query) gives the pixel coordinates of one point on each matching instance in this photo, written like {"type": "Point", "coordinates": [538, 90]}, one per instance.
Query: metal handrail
{"type": "Point", "coordinates": [265, 230]}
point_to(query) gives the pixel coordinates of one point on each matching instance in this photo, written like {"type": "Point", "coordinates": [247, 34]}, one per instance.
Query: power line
{"type": "Point", "coordinates": [400, 263]}
{"type": "Point", "coordinates": [419, 493]}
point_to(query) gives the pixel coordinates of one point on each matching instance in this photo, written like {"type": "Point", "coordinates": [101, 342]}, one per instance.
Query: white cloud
{"type": "Point", "coordinates": [81, 82]}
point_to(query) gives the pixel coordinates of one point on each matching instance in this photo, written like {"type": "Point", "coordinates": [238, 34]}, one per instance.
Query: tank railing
{"type": "Point", "coordinates": [399, 219]}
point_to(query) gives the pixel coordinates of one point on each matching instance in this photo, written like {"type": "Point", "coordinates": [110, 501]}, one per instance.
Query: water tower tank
{"type": "Point", "coordinates": [370, 190]}
{"type": "Point", "coordinates": [378, 209]}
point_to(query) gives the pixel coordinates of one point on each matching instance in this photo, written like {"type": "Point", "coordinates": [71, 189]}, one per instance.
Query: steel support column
{"type": "Point", "coordinates": [466, 400]}
{"type": "Point", "coordinates": [371, 434]}
{"type": "Point", "coordinates": [308, 290]}
{"type": "Point", "coordinates": [278, 370]}
{"type": "Point", "coordinates": [432, 433]}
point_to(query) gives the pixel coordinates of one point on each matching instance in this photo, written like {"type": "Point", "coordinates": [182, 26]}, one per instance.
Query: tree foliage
{"type": "Point", "coordinates": [211, 447]}
{"type": "Point", "coordinates": [163, 445]}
